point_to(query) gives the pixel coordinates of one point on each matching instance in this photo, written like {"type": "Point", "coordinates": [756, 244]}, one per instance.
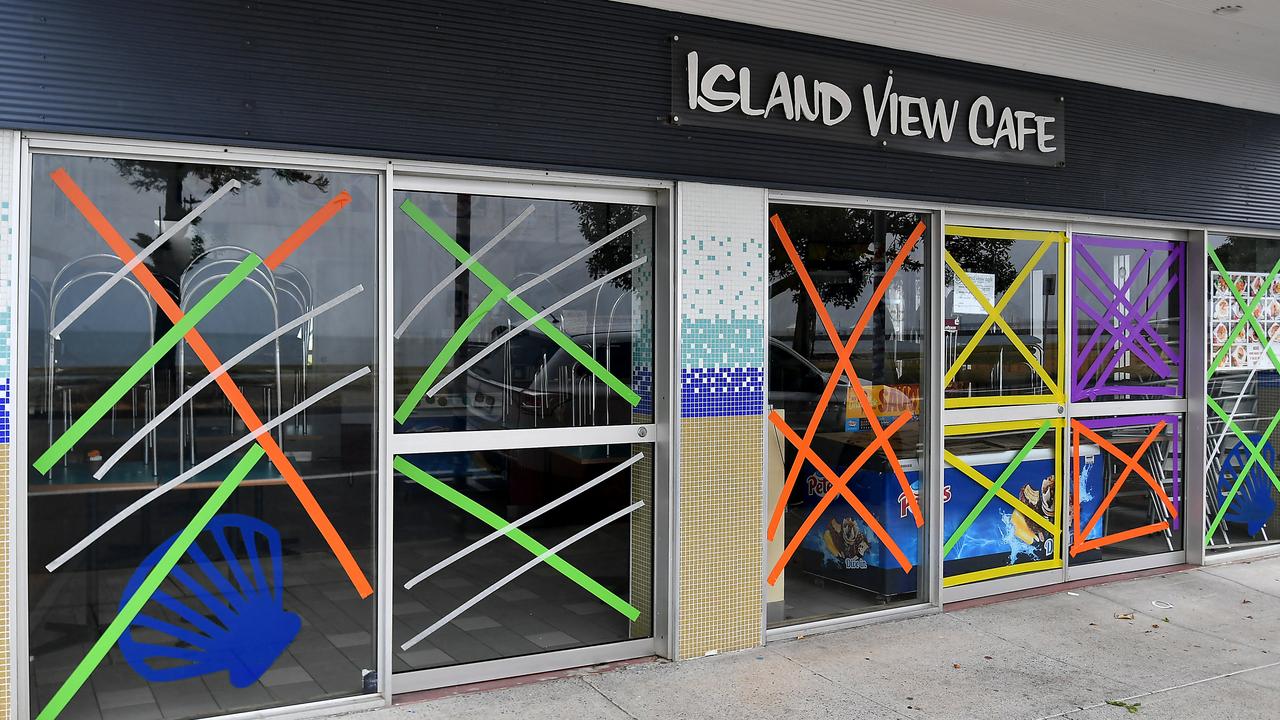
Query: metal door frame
{"type": "Point", "coordinates": [162, 151]}
{"type": "Point", "coordinates": [1193, 349]}
{"type": "Point", "coordinates": [426, 177]}
{"type": "Point", "coordinates": [1193, 429]}
{"type": "Point", "coordinates": [929, 572]}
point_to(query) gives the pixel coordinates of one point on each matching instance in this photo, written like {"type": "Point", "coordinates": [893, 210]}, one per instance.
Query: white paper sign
{"type": "Point", "coordinates": [966, 303]}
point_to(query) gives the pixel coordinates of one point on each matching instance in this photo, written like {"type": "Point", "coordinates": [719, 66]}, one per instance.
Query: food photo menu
{"type": "Point", "coordinates": [1246, 349]}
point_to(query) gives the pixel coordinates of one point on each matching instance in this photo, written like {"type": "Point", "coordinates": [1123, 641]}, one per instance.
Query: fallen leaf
{"type": "Point", "coordinates": [986, 657]}
{"type": "Point", "coordinates": [956, 665]}
{"type": "Point", "coordinates": [1155, 626]}
{"type": "Point", "coordinates": [1131, 707]}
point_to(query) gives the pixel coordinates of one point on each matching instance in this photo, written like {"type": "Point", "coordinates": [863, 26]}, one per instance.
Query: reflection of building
{"type": "Point", "coordinates": [516, 337]}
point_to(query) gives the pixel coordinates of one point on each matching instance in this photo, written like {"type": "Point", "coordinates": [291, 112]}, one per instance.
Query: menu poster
{"type": "Point", "coordinates": [1246, 350]}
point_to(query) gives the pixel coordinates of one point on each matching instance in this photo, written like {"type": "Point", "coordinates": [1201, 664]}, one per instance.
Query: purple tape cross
{"type": "Point", "coordinates": [1122, 325]}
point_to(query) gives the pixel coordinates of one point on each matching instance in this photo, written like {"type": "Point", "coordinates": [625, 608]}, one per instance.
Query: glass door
{"type": "Point", "coordinates": [1005, 360]}
{"type": "Point", "coordinates": [200, 433]}
{"type": "Point", "coordinates": [527, 376]}
{"type": "Point", "coordinates": [846, 451]}
{"type": "Point", "coordinates": [1242, 502]}
{"type": "Point", "coordinates": [1128, 399]}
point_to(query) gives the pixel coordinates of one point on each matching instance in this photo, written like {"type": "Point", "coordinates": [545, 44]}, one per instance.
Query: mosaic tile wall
{"type": "Point", "coordinates": [8, 241]}
{"type": "Point", "coordinates": [722, 348]}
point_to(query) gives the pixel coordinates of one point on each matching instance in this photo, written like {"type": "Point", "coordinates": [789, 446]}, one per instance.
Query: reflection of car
{"type": "Point", "coordinates": [532, 382]}
{"type": "Point", "coordinates": [796, 385]}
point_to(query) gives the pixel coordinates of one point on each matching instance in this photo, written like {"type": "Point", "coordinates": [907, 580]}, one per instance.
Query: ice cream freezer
{"type": "Point", "coordinates": [841, 548]}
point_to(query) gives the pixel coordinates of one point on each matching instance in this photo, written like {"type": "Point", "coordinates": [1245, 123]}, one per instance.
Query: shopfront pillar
{"type": "Point", "coordinates": [722, 272]}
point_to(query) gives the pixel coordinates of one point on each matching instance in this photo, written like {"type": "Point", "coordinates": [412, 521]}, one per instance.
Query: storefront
{"type": "Point", "coordinates": [350, 357]}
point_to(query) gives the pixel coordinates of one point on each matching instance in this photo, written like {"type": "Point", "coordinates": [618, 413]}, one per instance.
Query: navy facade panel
{"type": "Point", "coordinates": [580, 84]}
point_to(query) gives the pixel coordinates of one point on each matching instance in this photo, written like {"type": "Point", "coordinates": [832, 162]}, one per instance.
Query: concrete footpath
{"type": "Point", "coordinates": [1215, 654]}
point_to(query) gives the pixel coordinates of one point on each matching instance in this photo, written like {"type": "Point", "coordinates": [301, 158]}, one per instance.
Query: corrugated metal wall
{"type": "Point", "coordinates": [580, 84]}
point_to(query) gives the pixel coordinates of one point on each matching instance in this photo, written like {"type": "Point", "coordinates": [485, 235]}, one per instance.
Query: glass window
{"type": "Point", "coordinates": [1001, 494]}
{"type": "Point", "coordinates": [574, 571]}
{"type": "Point", "coordinates": [1126, 475]}
{"type": "Point", "coordinates": [1003, 315]}
{"type": "Point", "coordinates": [1243, 391]}
{"type": "Point", "coordinates": [846, 319]}
{"type": "Point", "coordinates": [1126, 312]}
{"type": "Point", "coordinates": [246, 567]}
{"type": "Point", "coordinates": [516, 313]}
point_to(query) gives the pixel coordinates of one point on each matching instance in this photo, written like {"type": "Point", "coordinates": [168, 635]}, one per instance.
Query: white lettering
{"type": "Point", "coordinates": [982, 104]}
{"type": "Point", "coordinates": [722, 88]}
{"type": "Point", "coordinates": [691, 75]}
{"type": "Point", "coordinates": [1042, 137]}
{"type": "Point", "coordinates": [1007, 129]}
{"type": "Point", "coordinates": [744, 90]}
{"type": "Point", "coordinates": [875, 115]}
{"type": "Point", "coordinates": [1023, 129]}
{"type": "Point", "coordinates": [709, 92]}
{"type": "Point", "coordinates": [780, 94]}
{"type": "Point", "coordinates": [939, 122]}
{"type": "Point", "coordinates": [810, 113]}
{"type": "Point", "coordinates": [829, 93]}
{"type": "Point", "coordinates": [909, 104]}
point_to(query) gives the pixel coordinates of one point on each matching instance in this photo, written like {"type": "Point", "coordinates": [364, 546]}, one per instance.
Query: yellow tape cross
{"type": "Point", "coordinates": [1032, 515]}
{"type": "Point", "coordinates": [994, 317]}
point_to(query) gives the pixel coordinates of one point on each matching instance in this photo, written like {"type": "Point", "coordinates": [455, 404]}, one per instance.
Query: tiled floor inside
{"type": "Point", "coordinates": [335, 647]}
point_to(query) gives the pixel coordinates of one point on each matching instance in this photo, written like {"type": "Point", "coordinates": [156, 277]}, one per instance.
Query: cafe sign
{"type": "Point", "coordinates": [731, 85]}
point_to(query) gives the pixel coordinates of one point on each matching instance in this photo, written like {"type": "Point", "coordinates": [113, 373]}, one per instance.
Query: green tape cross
{"type": "Point", "coordinates": [1255, 451]}
{"type": "Point", "coordinates": [488, 278]}
{"type": "Point", "coordinates": [149, 585]}
{"type": "Point", "coordinates": [1246, 318]}
{"type": "Point", "coordinates": [1255, 456]}
{"type": "Point", "coordinates": [995, 487]}
{"type": "Point", "coordinates": [496, 522]}
{"type": "Point", "coordinates": [103, 405]}
{"type": "Point", "coordinates": [442, 358]}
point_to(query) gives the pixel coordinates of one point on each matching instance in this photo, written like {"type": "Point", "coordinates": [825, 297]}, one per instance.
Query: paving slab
{"type": "Point", "coordinates": [1206, 602]}
{"type": "Point", "coordinates": [1220, 699]}
{"type": "Point", "coordinates": [1057, 655]}
{"type": "Point", "coordinates": [747, 685]}
{"type": "Point", "coordinates": [1260, 576]}
{"type": "Point", "coordinates": [1081, 630]}
{"type": "Point", "coordinates": [549, 700]}
{"type": "Point", "coordinates": [934, 662]}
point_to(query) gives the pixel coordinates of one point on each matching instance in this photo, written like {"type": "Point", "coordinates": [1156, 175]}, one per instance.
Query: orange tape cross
{"type": "Point", "coordinates": [1132, 464]}
{"type": "Point", "coordinates": [844, 367]}
{"type": "Point", "coordinates": [99, 222]}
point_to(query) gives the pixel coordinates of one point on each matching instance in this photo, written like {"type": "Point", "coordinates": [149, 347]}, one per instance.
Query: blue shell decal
{"type": "Point", "coordinates": [1252, 505]}
{"type": "Point", "coordinates": [231, 619]}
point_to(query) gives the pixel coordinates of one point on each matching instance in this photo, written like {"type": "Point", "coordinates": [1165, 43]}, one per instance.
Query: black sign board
{"type": "Point", "coordinates": [719, 83]}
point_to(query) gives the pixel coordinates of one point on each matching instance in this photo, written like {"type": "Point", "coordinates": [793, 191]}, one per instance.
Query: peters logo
{"type": "Point", "coordinates": [817, 485]}
{"type": "Point", "coordinates": [902, 500]}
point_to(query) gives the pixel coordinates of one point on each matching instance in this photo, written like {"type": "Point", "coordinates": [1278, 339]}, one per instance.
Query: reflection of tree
{"type": "Point", "coordinates": [983, 255]}
{"type": "Point", "coordinates": [846, 252]}
{"type": "Point", "coordinates": [596, 220]}
{"type": "Point", "coordinates": [840, 251]}
{"type": "Point", "coordinates": [1246, 254]}
{"type": "Point", "coordinates": [173, 179]}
